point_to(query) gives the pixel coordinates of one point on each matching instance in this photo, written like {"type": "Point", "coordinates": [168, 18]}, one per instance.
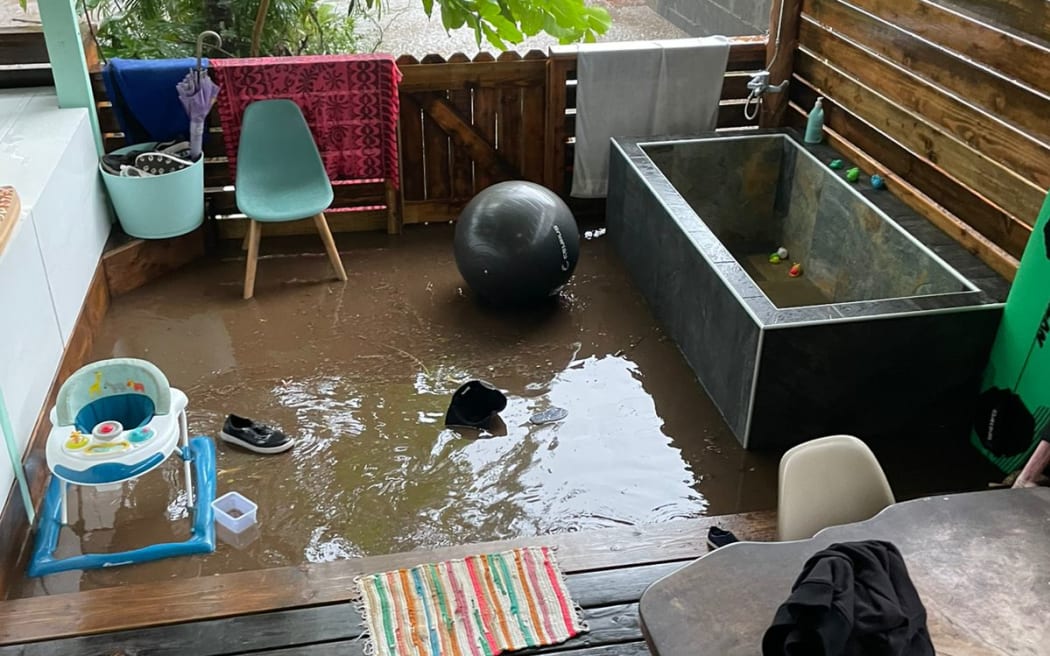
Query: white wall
{"type": "Point", "coordinates": [48, 155]}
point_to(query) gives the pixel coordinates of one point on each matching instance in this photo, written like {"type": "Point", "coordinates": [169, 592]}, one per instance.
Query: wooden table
{"type": "Point", "coordinates": [980, 562]}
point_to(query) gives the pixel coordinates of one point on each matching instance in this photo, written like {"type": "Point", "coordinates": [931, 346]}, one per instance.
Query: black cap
{"type": "Point", "coordinates": [474, 405]}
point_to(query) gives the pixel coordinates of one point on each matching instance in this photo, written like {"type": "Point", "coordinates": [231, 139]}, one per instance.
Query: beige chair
{"type": "Point", "coordinates": [826, 482]}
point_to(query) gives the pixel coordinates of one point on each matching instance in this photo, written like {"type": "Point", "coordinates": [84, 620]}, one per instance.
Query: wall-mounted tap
{"type": "Point", "coordinates": [757, 87]}
{"type": "Point", "coordinates": [759, 84]}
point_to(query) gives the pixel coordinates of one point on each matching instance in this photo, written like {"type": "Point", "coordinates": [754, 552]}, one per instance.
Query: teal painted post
{"type": "Point", "coordinates": [16, 459]}
{"type": "Point", "coordinates": [66, 51]}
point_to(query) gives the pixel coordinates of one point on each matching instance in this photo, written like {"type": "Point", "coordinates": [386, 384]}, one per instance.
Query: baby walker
{"type": "Point", "coordinates": [114, 421]}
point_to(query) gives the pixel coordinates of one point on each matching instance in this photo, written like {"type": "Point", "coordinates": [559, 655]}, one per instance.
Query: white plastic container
{"type": "Point", "coordinates": [241, 540]}
{"type": "Point", "coordinates": [234, 511]}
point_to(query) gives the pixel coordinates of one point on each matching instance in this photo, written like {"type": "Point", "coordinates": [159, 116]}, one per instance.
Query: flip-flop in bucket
{"type": "Point", "coordinates": [159, 206]}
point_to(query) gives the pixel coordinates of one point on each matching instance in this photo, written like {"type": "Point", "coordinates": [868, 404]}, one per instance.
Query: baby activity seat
{"type": "Point", "coordinates": [114, 421]}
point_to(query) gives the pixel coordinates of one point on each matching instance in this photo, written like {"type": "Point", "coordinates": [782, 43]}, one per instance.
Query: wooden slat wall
{"type": "Point", "coordinates": [464, 124]}
{"type": "Point", "coordinates": [218, 182]}
{"type": "Point", "coordinates": [24, 61]}
{"type": "Point", "coordinates": [746, 56]}
{"type": "Point", "coordinates": [22, 45]}
{"type": "Point", "coordinates": [950, 106]}
{"type": "Point", "coordinates": [481, 122]}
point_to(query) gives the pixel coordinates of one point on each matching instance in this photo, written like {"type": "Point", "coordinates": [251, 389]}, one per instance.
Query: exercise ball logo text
{"type": "Point", "coordinates": [564, 251]}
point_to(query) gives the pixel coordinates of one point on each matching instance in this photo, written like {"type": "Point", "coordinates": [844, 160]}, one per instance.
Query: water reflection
{"type": "Point", "coordinates": [365, 454]}
{"type": "Point", "coordinates": [375, 470]}
{"type": "Point", "coordinates": [362, 377]}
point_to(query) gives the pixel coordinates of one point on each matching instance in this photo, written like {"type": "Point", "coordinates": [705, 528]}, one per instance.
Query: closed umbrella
{"type": "Point", "coordinates": [198, 92]}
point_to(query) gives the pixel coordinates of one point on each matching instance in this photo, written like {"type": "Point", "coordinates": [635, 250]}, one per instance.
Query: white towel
{"type": "Point", "coordinates": [642, 89]}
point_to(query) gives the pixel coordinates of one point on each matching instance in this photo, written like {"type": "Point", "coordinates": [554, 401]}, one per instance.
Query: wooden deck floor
{"type": "Point", "coordinates": [308, 611]}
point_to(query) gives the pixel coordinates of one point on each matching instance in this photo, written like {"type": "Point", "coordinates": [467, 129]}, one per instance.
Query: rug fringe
{"type": "Point", "coordinates": [577, 608]}
{"type": "Point", "coordinates": [370, 647]}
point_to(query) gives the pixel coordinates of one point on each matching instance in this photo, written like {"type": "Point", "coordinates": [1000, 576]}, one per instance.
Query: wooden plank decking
{"type": "Point", "coordinates": [308, 611]}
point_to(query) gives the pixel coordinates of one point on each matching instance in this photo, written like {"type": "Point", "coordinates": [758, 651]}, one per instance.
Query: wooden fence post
{"type": "Point", "coordinates": [559, 63]}
{"type": "Point", "coordinates": [784, 19]}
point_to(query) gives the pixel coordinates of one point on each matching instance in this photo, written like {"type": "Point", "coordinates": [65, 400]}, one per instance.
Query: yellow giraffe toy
{"type": "Point", "coordinates": [96, 387]}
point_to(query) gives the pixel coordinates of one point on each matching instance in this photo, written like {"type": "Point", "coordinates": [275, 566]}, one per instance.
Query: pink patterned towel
{"type": "Point", "coordinates": [349, 101]}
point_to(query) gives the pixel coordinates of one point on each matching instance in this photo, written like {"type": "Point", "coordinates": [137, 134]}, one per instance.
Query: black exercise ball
{"type": "Point", "coordinates": [516, 242]}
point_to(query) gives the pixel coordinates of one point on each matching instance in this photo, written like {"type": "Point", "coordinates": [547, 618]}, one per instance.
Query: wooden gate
{"type": "Point", "coordinates": [466, 125]}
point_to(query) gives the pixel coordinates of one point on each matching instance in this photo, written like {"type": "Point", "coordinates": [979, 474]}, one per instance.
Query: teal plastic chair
{"type": "Point", "coordinates": [280, 177]}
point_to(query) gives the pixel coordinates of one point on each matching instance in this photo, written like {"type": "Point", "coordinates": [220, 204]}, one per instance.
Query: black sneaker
{"type": "Point", "coordinates": [114, 163]}
{"type": "Point", "coordinates": [254, 436]}
{"type": "Point", "coordinates": [716, 537]}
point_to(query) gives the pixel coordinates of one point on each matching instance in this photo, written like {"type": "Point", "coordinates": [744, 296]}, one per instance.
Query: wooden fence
{"type": "Point", "coordinates": [948, 99]}
{"type": "Point", "coordinates": [464, 125]}
{"type": "Point", "coordinates": [23, 57]}
{"type": "Point", "coordinates": [24, 60]}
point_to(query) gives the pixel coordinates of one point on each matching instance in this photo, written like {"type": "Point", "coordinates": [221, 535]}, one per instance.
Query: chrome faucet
{"type": "Point", "coordinates": [759, 84]}
{"type": "Point", "coordinates": [757, 87]}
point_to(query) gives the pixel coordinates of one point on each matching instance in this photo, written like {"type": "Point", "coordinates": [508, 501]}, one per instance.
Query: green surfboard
{"type": "Point", "coordinates": [1013, 410]}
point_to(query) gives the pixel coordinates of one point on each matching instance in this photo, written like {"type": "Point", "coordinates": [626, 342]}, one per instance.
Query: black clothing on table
{"type": "Point", "coordinates": [852, 599]}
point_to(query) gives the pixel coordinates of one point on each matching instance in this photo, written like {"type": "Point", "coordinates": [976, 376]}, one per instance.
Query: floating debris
{"type": "Point", "coordinates": [549, 416]}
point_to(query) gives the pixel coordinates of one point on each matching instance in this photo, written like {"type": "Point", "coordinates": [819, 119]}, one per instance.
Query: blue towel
{"type": "Point", "coordinates": [144, 97]}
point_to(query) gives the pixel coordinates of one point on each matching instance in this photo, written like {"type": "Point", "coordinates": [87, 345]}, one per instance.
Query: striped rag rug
{"type": "Point", "coordinates": [479, 606]}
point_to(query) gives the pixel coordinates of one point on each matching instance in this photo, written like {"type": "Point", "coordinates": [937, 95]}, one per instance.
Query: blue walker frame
{"type": "Point", "coordinates": [201, 454]}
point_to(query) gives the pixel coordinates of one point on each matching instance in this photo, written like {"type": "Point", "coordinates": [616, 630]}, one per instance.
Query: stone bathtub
{"type": "Point", "coordinates": [887, 329]}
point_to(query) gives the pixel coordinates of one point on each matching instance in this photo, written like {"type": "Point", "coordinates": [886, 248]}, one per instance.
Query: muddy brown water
{"type": "Point", "coordinates": [361, 374]}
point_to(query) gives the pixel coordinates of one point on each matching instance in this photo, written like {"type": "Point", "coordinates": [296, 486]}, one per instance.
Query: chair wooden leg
{"type": "Point", "coordinates": [329, 245]}
{"type": "Point", "coordinates": [254, 230]}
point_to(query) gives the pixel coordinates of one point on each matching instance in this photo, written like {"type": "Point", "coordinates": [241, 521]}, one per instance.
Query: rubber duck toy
{"type": "Point", "coordinates": [775, 259]}
{"type": "Point", "coordinates": [835, 164]}
{"type": "Point", "coordinates": [77, 440]}
{"type": "Point", "coordinates": [795, 271]}
{"type": "Point", "coordinates": [783, 253]}
{"type": "Point", "coordinates": [877, 182]}
{"type": "Point", "coordinates": [853, 174]}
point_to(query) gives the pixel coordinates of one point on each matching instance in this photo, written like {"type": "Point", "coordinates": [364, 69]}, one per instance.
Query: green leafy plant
{"type": "Point", "coordinates": [509, 21]}
{"type": "Point", "coordinates": [152, 29]}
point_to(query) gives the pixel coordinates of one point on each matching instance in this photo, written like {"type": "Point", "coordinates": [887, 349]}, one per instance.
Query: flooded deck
{"type": "Point", "coordinates": [361, 374]}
